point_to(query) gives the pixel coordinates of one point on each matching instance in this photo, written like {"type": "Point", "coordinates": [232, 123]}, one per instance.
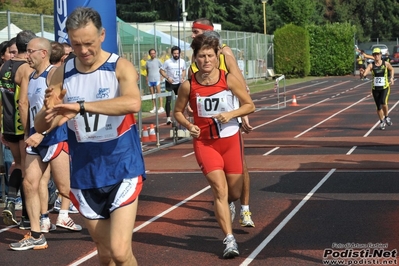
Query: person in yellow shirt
{"type": "Point", "coordinates": [143, 72]}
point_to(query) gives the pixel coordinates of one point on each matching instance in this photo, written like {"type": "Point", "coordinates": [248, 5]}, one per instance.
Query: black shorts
{"type": "Point", "coordinates": [381, 97]}
{"type": "Point", "coordinates": [13, 138]}
{"type": "Point", "coordinates": [170, 87]}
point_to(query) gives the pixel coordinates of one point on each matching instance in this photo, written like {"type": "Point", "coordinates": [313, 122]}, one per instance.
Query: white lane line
{"type": "Point", "coordinates": [262, 245]}
{"type": "Point", "coordinates": [331, 116]}
{"type": "Point", "coordinates": [7, 228]}
{"type": "Point", "coordinates": [188, 154]}
{"type": "Point", "coordinates": [376, 124]}
{"type": "Point", "coordinates": [141, 226]}
{"type": "Point", "coordinates": [269, 152]}
{"type": "Point", "coordinates": [283, 116]}
{"type": "Point", "coordinates": [351, 150]}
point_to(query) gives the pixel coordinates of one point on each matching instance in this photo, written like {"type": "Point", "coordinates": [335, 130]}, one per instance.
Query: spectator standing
{"type": "Point", "coordinates": [174, 72]}
{"type": "Point", "coordinates": [154, 79]}
{"type": "Point", "coordinates": [100, 118]}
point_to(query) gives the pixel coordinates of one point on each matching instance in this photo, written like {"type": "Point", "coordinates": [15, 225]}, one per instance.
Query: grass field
{"type": "Point", "coordinates": [254, 86]}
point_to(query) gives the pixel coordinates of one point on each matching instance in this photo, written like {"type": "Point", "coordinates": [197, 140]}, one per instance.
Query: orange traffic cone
{"type": "Point", "coordinates": [153, 137]}
{"type": "Point", "coordinates": [294, 103]}
{"type": "Point", "coordinates": [144, 135]}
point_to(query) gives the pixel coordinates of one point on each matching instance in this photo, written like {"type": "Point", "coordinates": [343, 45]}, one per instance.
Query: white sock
{"type": "Point", "coordinates": [244, 208]}
{"type": "Point", "coordinates": [229, 236]}
{"type": "Point", "coordinates": [63, 214]}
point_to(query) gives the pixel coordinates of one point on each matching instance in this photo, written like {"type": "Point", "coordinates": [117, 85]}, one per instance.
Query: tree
{"type": "Point", "coordinates": [297, 12]}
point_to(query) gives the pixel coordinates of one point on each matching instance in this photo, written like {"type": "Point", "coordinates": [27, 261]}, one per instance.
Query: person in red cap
{"type": "Point", "coordinates": [383, 74]}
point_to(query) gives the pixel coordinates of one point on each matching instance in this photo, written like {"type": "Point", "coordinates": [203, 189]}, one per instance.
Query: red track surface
{"type": "Point", "coordinates": [320, 174]}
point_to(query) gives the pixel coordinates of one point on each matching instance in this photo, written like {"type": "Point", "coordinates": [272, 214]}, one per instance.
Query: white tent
{"type": "Point", "coordinates": [14, 30]}
{"type": "Point", "coordinates": [167, 39]}
{"type": "Point", "coordinates": [45, 34]}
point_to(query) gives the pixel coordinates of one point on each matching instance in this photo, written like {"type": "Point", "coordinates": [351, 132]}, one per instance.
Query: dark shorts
{"type": "Point", "coordinates": [172, 87]}
{"type": "Point", "coordinates": [98, 203]}
{"type": "Point", "coordinates": [381, 97]}
{"type": "Point", "coordinates": [48, 153]}
{"type": "Point", "coordinates": [13, 138]}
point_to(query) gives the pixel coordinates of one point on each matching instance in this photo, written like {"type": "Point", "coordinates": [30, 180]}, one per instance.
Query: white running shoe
{"type": "Point", "coordinates": [161, 110]}
{"type": "Point", "coordinates": [168, 121]}
{"type": "Point", "coordinates": [231, 249]}
{"type": "Point", "coordinates": [153, 110]}
{"type": "Point", "coordinates": [382, 125]}
{"type": "Point", "coordinates": [46, 225]}
{"type": "Point", "coordinates": [68, 224]}
{"type": "Point", "coordinates": [246, 220]}
{"type": "Point", "coordinates": [387, 121]}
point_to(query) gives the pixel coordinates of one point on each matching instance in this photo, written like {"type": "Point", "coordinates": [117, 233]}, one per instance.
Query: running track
{"type": "Point", "coordinates": [321, 173]}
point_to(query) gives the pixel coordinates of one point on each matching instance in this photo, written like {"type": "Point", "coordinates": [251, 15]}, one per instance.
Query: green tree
{"type": "Point", "coordinates": [45, 7]}
{"type": "Point", "coordinates": [297, 12]}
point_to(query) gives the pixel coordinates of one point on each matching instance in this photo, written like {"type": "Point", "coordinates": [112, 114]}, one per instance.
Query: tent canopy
{"type": "Point", "coordinates": [14, 30]}
{"type": "Point", "coordinates": [45, 34]}
{"type": "Point", "coordinates": [129, 35]}
{"type": "Point", "coordinates": [170, 40]}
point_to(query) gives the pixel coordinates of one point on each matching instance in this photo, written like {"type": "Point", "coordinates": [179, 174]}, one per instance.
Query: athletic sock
{"type": "Point", "coordinates": [63, 214]}
{"type": "Point", "coordinates": [244, 208]}
{"type": "Point", "coordinates": [35, 234]}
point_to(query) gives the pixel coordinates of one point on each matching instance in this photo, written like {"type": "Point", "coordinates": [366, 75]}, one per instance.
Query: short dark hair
{"type": "Point", "coordinates": [202, 41]}
{"type": "Point", "coordinates": [149, 51]}
{"type": "Point", "coordinates": [57, 52]}
{"type": "Point", "coordinates": [23, 38]}
{"type": "Point", "coordinates": [174, 48]}
{"type": "Point", "coordinates": [81, 16]}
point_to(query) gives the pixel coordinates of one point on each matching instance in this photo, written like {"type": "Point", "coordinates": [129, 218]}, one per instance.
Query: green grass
{"type": "Point", "coordinates": [264, 85]}
{"type": "Point", "coordinates": [254, 86]}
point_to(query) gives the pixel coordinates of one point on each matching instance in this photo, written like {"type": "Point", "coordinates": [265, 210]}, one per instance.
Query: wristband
{"type": "Point", "coordinates": [82, 110]}
{"type": "Point", "coordinates": [44, 133]}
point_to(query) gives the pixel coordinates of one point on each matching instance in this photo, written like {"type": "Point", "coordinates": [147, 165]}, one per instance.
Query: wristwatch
{"type": "Point", "coordinates": [82, 110]}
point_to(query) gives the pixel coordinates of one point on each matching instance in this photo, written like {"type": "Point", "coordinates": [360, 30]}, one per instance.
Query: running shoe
{"type": "Point", "coordinates": [28, 242]}
{"type": "Point", "coordinates": [388, 121]}
{"type": "Point", "coordinates": [382, 125]}
{"type": "Point", "coordinates": [231, 249]}
{"type": "Point", "coordinates": [9, 213]}
{"type": "Point", "coordinates": [153, 110]}
{"type": "Point", "coordinates": [68, 224]}
{"type": "Point", "coordinates": [168, 121]}
{"type": "Point", "coordinates": [161, 110]}
{"type": "Point", "coordinates": [232, 210]}
{"type": "Point", "coordinates": [246, 220]}
{"type": "Point", "coordinates": [46, 225]}
{"type": "Point", "coordinates": [18, 204]}
{"type": "Point", "coordinates": [57, 207]}
{"type": "Point", "coordinates": [24, 224]}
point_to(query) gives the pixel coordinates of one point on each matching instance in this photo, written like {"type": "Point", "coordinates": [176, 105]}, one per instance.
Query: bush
{"type": "Point", "coordinates": [331, 49]}
{"type": "Point", "coordinates": [291, 51]}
